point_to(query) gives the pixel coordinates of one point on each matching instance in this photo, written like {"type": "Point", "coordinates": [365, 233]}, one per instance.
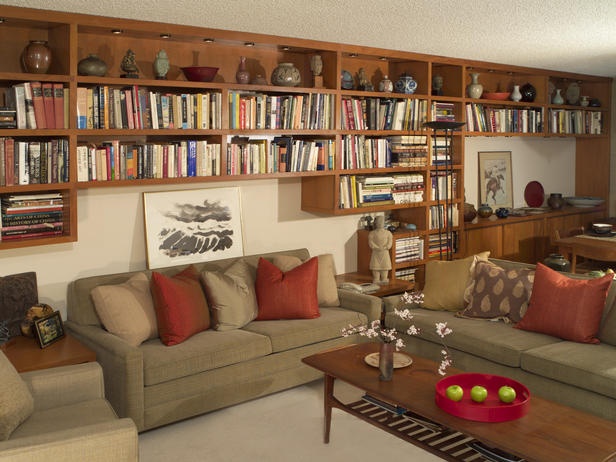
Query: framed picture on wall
{"type": "Point", "coordinates": [183, 227]}
{"type": "Point", "coordinates": [495, 179]}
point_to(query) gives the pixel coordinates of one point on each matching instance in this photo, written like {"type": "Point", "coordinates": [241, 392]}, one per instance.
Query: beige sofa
{"type": "Point", "coordinates": [61, 414]}
{"type": "Point", "coordinates": [155, 384]}
{"type": "Point", "coordinates": [580, 375]}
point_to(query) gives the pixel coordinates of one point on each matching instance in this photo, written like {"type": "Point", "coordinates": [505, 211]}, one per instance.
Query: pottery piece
{"type": "Point", "coordinates": [405, 84]}
{"type": "Point", "coordinates": [558, 98]}
{"type": "Point", "coordinates": [92, 65]}
{"type": "Point", "coordinates": [161, 65]}
{"type": "Point", "coordinates": [286, 75]}
{"type": "Point", "coordinates": [36, 57]}
{"type": "Point", "coordinates": [346, 80]}
{"type": "Point", "coordinates": [469, 212]}
{"type": "Point", "coordinates": [242, 75]}
{"type": "Point", "coordinates": [528, 93]}
{"type": "Point", "coordinates": [556, 201]}
{"type": "Point", "coordinates": [386, 85]}
{"type": "Point", "coordinates": [474, 89]}
{"type": "Point", "coordinates": [557, 262]}
{"type": "Point", "coordinates": [515, 94]}
{"type": "Point", "coordinates": [484, 211]}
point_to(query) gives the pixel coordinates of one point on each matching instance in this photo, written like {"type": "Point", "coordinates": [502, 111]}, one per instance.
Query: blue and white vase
{"type": "Point", "coordinates": [406, 84]}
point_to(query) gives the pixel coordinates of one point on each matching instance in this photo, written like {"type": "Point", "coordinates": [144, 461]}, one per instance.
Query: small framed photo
{"type": "Point", "coordinates": [49, 329]}
{"type": "Point", "coordinates": [495, 179]}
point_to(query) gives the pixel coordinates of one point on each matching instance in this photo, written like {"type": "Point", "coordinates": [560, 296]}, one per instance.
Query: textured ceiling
{"type": "Point", "coordinates": [567, 35]}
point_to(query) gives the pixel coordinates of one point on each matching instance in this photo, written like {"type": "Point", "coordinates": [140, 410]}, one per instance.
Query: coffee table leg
{"type": "Point", "coordinates": [328, 395]}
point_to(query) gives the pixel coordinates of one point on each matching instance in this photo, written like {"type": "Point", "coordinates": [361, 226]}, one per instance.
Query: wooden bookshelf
{"type": "Point", "coordinates": [73, 37]}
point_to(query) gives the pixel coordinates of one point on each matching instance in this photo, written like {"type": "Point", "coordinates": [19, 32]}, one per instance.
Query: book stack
{"type": "Point", "coordinates": [439, 219]}
{"type": "Point", "coordinates": [8, 117]}
{"type": "Point", "coordinates": [409, 249]}
{"type": "Point", "coordinates": [31, 215]}
{"type": "Point", "coordinates": [443, 184]}
{"type": "Point", "coordinates": [406, 274]}
{"type": "Point", "coordinates": [38, 105]}
{"type": "Point", "coordinates": [408, 150]}
{"type": "Point", "coordinates": [33, 162]}
{"type": "Point", "coordinates": [374, 190]}
{"type": "Point", "coordinates": [443, 112]}
{"type": "Point", "coordinates": [408, 188]}
{"type": "Point", "coordinates": [441, 152]}
{"type": "Point", "coordinates": [441, 244]}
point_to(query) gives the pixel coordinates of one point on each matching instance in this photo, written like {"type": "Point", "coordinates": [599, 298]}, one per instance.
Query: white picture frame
{"type": "Point", "coordinates": [495, 179]}
{"type": "Point", "coordinates": [191, 226]}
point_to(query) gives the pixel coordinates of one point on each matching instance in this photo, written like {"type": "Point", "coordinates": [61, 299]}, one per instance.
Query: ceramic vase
{"type": "Point", "coordinates": [242, 75]}
{"type": "Point", "coordinates": [386, 85]}
{"type": "Point", "coordinates": [286, 75]}
{"type": "Point", "coordinates": [36, 57]}
{"type": "Point", "coordinates": [161, 65]}
{"type": "Point", "coordinates": [386, 361]}
{"type": "Point", "coordinates": [584, 101]}
{"type": "Point", "coordinates": [469, 212]}
{"type": "Point", "coordinates": [484, 211]}
{"type": "Point", "coordinates": [558, 98]}
{"type": "Point", "coordinates": [557, 262]}
{"type": "Point", "coordinates": [92, 65]}
{"type": "Point", "coordinates": [515, 94]}
{"type": "Point", "coordinates": [528, 93]}
{"type": "Point", "coordinates": [556, 201]}
{"type": "Point", "coordinates": [405, 84]}
{"type": "Point", "coordinates": [474, 89]}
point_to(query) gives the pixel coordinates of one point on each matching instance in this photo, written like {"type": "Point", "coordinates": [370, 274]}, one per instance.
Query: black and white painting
{"type": "Point", "coordinates": [190, 226]}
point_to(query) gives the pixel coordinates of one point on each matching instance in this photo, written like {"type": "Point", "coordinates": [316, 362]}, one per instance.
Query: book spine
{"type": "Point", "coordinates": [50, 116]}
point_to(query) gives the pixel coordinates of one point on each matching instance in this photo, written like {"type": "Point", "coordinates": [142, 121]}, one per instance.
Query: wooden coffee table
{"type": "Point", "coordinates": [548, 432]}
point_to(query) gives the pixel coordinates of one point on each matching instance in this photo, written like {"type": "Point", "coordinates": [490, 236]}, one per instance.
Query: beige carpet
{"type": "Point", "coordinates": [287, 426]}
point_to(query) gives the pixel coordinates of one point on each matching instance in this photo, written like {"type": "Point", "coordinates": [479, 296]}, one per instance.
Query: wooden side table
{"type": "Point", "coordinates": [26, 355]}
{"type": "Point", "coordinates": [395, 286]}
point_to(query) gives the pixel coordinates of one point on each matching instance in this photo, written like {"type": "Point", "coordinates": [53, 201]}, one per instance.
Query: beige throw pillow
{"type": "Point", "coordinates": [327, 290]}
{"type": "Point", "coordinates": [16, 402]}
{"type": "Point", "coordinates": [446, 282]}
{"type": "Point", "coordinates": [127, 309]}
{"type": "Point", "coordinates": [231, 296]}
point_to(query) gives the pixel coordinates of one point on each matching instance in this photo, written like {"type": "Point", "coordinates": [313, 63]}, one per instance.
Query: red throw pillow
{"type": "Point", "coordinates": [564, 307]}
{"type": "Point", "coordinates": [290, 295]}
{"type": "Point", "coordinates": [181, 308]}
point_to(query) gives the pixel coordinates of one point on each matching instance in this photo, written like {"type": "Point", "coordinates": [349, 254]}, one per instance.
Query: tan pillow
{"type": "Point", "coordinates": [127, 309]}
{"type": "Point", "coordinates": [231, 296]}
{"type": "Point", "coordinates": [447, 281]}
{"type": "Point", "coordinates": [327, 290]}
{"type": "Point", "coordinates": [16, 402]}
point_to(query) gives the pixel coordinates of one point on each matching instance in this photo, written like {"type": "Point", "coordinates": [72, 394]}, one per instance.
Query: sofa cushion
{"type": "Point", "coordinates": [181, 308]}
{"type": "Point", "coordinates": [204, 351]}
{"type": "Point", "coordinates": [18, 292]}
{"type": "Point", "coordinates": [16, 402]}
{"type": "Point", "coordinates": [294, 333]}
{"type": "Point", "coordinates": [290, 295]}
{"type": "Point", "coordinates": [446, 282]}
{"type": "Point", "coordinates": [495, 341]}
{"type": "Point", "coordinates": [587, 366]}
{"type": "Point", "coordinates": [497, 293]}
{"type": "Point", "coordinates": [564, 307]}
{"type": "Point", "coordinates": [127, 309]}
{"type": "Point", "coordinates": [231, 296]}
{"type": "Point", "coordinates": [327, 289]}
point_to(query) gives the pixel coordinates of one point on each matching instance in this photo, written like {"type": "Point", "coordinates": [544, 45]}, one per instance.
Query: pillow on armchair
{"type": "Point", "coordinates": [18, 292]}
{"type": "Point", "coordinates": [16, 402]}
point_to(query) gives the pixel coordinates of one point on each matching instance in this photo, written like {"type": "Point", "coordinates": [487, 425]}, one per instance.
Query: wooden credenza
{"type": "Point", "coordinates": [526, 239]}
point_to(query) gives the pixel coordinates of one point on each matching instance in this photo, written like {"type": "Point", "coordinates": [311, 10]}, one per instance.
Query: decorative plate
{"type": "Point", "coordinates": [400, 360]}
{"type": "Point", "coordinates": [534, 194]}
{"type": "Point", "coordinates": [492, 409]}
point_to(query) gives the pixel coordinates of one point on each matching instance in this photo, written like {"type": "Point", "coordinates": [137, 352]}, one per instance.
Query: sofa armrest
{"type": "Point", "coordinates": [60, 386]}
{"type": "Point", "coordinates": [122, 369]}
{"type": "Point", "coordinates": [369, 305]}
{"type": "Point", "coordinates": [113, 440]}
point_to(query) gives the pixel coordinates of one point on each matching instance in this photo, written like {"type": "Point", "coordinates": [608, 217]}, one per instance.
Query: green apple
{"type": "Point", "coordinates": [454, 392]}
{"type": "Point", "coordinates": [506, 394]}
{"type": "Point", "coordinates": [479, 394]}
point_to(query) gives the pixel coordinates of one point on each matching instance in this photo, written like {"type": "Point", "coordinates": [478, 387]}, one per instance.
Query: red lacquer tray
{"type": "Point", "coordinates": [492, 409]}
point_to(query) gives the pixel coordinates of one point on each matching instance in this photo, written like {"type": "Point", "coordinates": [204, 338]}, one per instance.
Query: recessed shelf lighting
{"type": "Point", "coordinates": [165, 36]}
{"type": "Point", "coordinates": [117, 31]}
{"type": "Point", "coordinates": [2, 20]}
{"type": "Point", "coordinates": [353, 55]}
{"type": "Point", "coordinates": [208, 40]}
{"type": "Point", "coordinates": [383, 58]}
{"type": "Point", "coordinates": [285, 48]}
{"type": "Point", "coordinates": [249, 44]}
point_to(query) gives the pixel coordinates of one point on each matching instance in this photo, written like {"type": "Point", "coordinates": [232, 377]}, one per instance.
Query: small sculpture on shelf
{"type": "Point", "coordinates": [386, 85]}
{"type": "Point", "coordinates": [161, 65]}
{"type": "Point", "coordinates": [316, 66]}
{"type": "Point", "coordinates": [364, 83]}
{"type": "Point", "coordinates": [129, 65]}
{"type": "Point", "coordinates": [242, 75]}
{"type": "Point", "coordinates": [380, 241]}
{"type": "Point", "coordinates": [437, 85]}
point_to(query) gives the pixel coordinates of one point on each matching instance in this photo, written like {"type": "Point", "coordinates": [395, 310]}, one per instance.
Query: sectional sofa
{"type": "Point", "coordinates": [161, 367]}
{"type": "Point", "coordinates": [555, 333]}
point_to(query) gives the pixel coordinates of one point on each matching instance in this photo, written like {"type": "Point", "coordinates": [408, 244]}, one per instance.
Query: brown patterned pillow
{"type": "Point", "coordinates": [18, 292]}
{"type": "Point", "coordinates": [497, 293]}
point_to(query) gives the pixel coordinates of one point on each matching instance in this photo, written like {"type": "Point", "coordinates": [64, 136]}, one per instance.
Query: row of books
{"type": "Point", "coordinates": [443, 185]}
{"type": "Point", "coordinates": [367, 191]}
{"type": "Point", "coordinates": [408, 150]}
{"type": "Point", "coordinates": [564, 121]}
{"type": "Point", "coordinates": [255, 111]}
{"type": "Point", "coordinates": [441, 151]}
{"type": "Point", "coordinates": [409, 249]}
{"type": "Point", "coordinates": [33, 162]}
{"type": "Point", "coordinates": [38, 105]}
{"type": "Point", "coordinates": [282, 154]}
{"type": "Point", "coordinates": [31, 215]}
{"type": "Point", "coordinates": [406, 274]}
{"type": "Point", "coordinates": [440, 217]}
{"type": "Point", "coordinates": [442, 244]}
{"type": "Point", "coordinates": [383, 113]}
{"type": "Point", "coordinates": [115, 160]}
{"type": "Point", "coordinates": [442, 111]}
{"type": "Point", "coordinates": [135, 107]}
{"type": "Point", "coordinates": [481, 118]}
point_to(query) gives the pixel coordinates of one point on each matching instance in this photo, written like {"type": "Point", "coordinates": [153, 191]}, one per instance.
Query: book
{"type": "Point", "coordinates": [48, 103]}
{"type": "Point", "coordinates": [39, 106]}
{"type": "Point", "coordinates": [82, 107]}
{"type": "Point", "coordinates": [29, 105]}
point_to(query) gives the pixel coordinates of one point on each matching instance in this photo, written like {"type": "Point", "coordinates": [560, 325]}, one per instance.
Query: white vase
{"type": "Point", "coordinates": [474, 89]}
{"type": "Point", "coordinates": [558, 98]}
{"type": "Point", "coordinates": [515, 94]}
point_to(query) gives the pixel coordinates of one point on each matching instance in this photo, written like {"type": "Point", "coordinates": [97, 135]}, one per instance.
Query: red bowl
{"type": "Point", "coordinates": [200, 73]}
{"type": "Point", "coordinates": [500, 96]}
{"type": "Point", "coordinates": [492, 409]}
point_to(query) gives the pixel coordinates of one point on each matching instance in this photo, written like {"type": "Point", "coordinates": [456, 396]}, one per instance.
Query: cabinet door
{"type": "Point", "coordinates": [482, 239]}
{"type": "Point", "coordinates": [523, 241]}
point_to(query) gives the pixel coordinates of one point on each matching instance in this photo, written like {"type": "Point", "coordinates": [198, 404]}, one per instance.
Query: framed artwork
{"type": "Point", "coordinates": [183, 227]}
{"type": "Point", "coordinates": [495, 179]}
{"type": "Point", "coordinates": [49, 329]}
